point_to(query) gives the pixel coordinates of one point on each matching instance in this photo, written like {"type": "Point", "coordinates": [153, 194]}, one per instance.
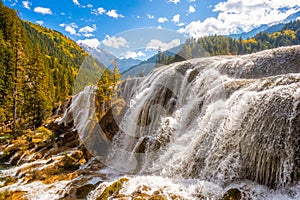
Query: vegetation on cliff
{"type": "Point", "coordinates": [38, 67]}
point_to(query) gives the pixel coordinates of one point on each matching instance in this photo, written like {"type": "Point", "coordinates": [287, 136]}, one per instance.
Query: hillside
{"type": "Point", "coordinates": [38, 67]}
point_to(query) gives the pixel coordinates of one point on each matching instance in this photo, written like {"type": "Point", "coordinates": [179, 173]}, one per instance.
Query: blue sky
{"type": "Point", "coordinates": [102, 22]}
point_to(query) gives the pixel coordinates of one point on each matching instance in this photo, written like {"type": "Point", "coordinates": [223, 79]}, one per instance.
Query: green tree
{"type": "Point", "coordinates": [106, 88]}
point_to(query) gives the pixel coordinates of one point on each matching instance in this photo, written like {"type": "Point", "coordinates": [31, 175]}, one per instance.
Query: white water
{"type": "Point", "coordinates": [219, 120]}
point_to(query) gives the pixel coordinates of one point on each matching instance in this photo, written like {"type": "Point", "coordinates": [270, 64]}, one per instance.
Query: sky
{"type": "Point", "coordinates": [105, 22]}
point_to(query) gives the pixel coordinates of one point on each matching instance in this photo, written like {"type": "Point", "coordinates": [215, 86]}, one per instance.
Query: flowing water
{"type": "Point", "coordinates": [201, 127]}
{"type": "Point", "coordinates": [220, 120]}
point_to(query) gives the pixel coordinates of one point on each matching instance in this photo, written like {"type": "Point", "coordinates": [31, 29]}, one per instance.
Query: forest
{"type": "Point", "coordinates": [38, 67]}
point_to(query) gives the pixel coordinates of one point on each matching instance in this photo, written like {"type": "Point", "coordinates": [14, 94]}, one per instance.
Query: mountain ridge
{"type": "Point", "coordinates": [270, 28]}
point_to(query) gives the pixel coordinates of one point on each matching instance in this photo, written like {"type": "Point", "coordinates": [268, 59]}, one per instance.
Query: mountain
{"type": "Point", "coordinates": [250, 33]}
{"type": "Point", "coordinates": [139, 70]}
{"type": "Point", "coordinates": [99, 53]}
{"type": "Point", "coordinates": [269, 28]}
{"type": "Point", "coordinates": [125, 64]}
{"type": "Point", "coordinates": [145, 67]}
{"type": "Point", "coordinates": [292, 17]}
{"type": "Point", "coordinates": [107, 58]}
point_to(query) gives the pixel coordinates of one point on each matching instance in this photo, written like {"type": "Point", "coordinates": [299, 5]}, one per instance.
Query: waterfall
{"type": "Point", "coordinates": [219, 119]}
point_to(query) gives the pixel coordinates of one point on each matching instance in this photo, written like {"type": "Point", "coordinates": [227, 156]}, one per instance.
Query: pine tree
{"type": "Point", "coordinates": [104, 92]}
{"type": "Point", "coordinates": [38, 98]}
{"type": "Point", "coordinates": [116, 74]}
{"type": "Point", "coordinates": [18, 67]}
{"type": "Point", "coordinates": [106, 87]}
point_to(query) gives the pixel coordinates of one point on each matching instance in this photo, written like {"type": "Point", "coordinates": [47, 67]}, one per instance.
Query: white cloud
{"type": "Point", "coordinates": [98, 11]}
{"type": "Point", "coordinates": [89, 6]}
{"type": "Point", "coordinates": [191, 1]}
{"type": "Point", "coordinates": [191, 9]}
{"type": "Point", "coordinates": [40, 22]}
{"type": "Point", "coordinates": [88, 29]}
{"type": "Point", "coordinates": [43, 11]}
{"type": "Point", "coordinates": [71, 30]}
{"type": "Point", "coordinates": [73, 25]}
{"type": "Point", "coordinates": [174, 1]}
{"type": "Point", "coordinates": [156, 44]}
{"type": "Point", "coordinates": [90, 42]}
{"type": "Point", "coordinates": [114, 14]}
{"type": "Point", "coordinates": [26, 4]}
{"type": "Point", "coordinates": [162, 20]}
{"type": "Point", "coordinates": [115, 42]}
{"type": "Point", "coordinates": [159, 27]}
{"type": "Point", "coordinates": [176, 18]}
{"type": "Point", "coordinates": [76, 2]}
{"type": "Point", "coordinates": [235, 16]}
{"type": "Point", "coordinates": [150, 16]}
{"type": "Point", "coordinates": [88, 35]}
{"type": "Point", "coordinates": [132, 54]}
{"type": "Point", "coordinates": [208, 27]}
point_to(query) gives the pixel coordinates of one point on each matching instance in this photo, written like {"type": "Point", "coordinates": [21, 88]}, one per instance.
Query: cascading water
{"type": "Point", "coordinates": [224, 120]}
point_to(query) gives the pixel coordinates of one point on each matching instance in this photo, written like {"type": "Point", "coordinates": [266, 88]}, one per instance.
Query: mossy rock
{"type": "Point", "coordinates": [5, 136]}
{"type": "Point", "coordinates": [158, 197]}
{"type": "Point", "coordinates": [62, 177]}
{"type": "Point", "coordinates": [83, 191]}
{"type": "Point", "coordinates": [9, 180]}
{"type": "Point", "coordinates": [112, 189]}
{"type": "Point", "coordinates": [12, 195]}
{"type": "Point", "coordinates": [139, 195]}
{"type": "Point", "coordinates": [232, 194]}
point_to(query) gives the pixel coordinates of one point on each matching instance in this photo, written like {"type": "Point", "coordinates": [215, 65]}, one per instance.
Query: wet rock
{"type": "Point", "coordinates": [109, 122]}
{"type": "Point", "coordinates": [193, 75]}
{"type": "Point", "coordinates": [184, 67]}
{"type": "Point", "coordinates": [113, 189]}
{"type": "Point", "coordinates": [13, 195]}
{"type": "Point", "coordinates": [232, 194]}
{"type": "Point", "coordinates": [109, 125]}
{"type": "Point", "coordinates": [158, 197]}
{"type": "Point", "coordinates": [83, 191]}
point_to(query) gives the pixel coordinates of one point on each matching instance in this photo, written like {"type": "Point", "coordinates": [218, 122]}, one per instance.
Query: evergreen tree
{"type": "Point", "coordinates": [38, 98]}
{"type": "Point", "coordinates": [106, 87]}
{"type": "Point", "coordinates": [18, 67]}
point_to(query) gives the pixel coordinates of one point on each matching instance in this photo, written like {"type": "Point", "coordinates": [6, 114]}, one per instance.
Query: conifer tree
{"type": "Point", "coordinates": [18, 67]}
{"type": "Point", "coordinates": [106, 87]}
